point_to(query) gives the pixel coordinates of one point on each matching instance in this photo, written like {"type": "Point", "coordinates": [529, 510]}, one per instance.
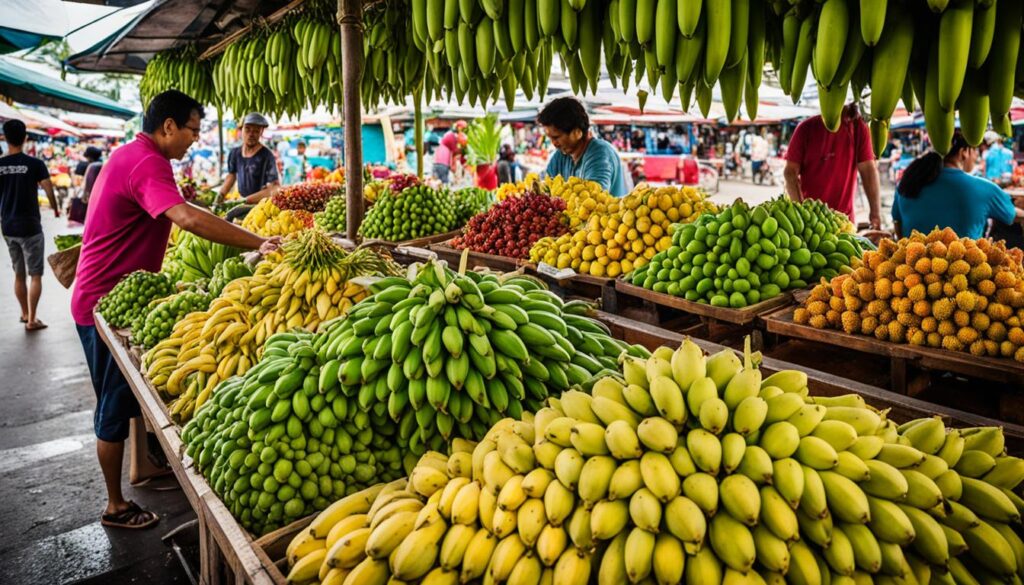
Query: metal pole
{"type": "Point", "coordinates": [350, 17]}
{"type": "Point", "coordinates": [418, 130]}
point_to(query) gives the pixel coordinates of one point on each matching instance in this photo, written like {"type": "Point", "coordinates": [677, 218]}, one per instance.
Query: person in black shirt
{"type": "Point", "coordinates": [252, 166]}
{"type": "Point", "coordinates": [20, 178]}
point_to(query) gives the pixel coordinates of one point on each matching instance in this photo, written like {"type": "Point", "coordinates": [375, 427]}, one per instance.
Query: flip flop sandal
{"type": "Point", "coordinates": [22, 320]}
{"type": "Point", "coordinates": [134, 518]}
{"type": "Point", "coordinates": [35, 326]}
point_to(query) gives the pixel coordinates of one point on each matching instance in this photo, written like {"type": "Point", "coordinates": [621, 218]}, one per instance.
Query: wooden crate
{"type": "Point", "coordinates": [720, 324]}
{"type": "Point", "coordinates": [271, 548]}
{"type": "Point", "coordinates": [915, 370]}
{"type": "Point", "coordinates": [447, 252]}
{"type": "Point", "coordinates": [226, 553]}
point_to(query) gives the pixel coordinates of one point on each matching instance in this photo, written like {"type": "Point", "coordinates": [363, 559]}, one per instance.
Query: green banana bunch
{"type": "Point", "coordinates": [449, 353]}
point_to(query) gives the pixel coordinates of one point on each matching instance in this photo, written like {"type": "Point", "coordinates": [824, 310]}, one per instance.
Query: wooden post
{"type": "Point", "coordinates": [418, 130]}
{"type": "Point", "coordinates": [350, 17]}
{"type": "Point", "coordinates": [220, 141]}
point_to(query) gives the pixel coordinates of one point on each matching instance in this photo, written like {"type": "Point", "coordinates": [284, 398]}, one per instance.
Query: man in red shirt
{"type": "Point", "coordinates": [133, 204]}
{"type": "Point", "coordinates": [824, 165]}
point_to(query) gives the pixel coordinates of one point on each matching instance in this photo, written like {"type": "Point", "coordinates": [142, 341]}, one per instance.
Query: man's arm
{"type": "Point", "coordinates": [263, 193]}
{"type": "Point", "coordinates": [229, 182]}
{"type": "Point", "coordinates": [207, 225]}
{"type": "Point", "coordinates": [872, 187]}
{"type": "Point", "coordinates": [48, 187]}
{"type": "Point", "coordinates": [792, 174]}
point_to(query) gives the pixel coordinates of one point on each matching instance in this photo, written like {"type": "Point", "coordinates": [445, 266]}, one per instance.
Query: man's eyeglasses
{"type": "Point", "coordinates": [195, 130]}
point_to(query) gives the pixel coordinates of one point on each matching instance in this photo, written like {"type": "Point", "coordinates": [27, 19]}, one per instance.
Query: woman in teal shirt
{"type": "Point", "coordinates": [937, 191]}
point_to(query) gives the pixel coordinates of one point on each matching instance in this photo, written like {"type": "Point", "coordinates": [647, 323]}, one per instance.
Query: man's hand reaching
{"type": "Point", "coordinates": [270, 245]}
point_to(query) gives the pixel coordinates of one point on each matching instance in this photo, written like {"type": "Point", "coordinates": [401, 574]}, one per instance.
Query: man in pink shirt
{"type": "Point", "coordinates": [134, 202]}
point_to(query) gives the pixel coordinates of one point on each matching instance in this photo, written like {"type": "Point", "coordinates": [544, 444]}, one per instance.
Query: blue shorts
{"type": "Point", "coordinates": [115, 403]}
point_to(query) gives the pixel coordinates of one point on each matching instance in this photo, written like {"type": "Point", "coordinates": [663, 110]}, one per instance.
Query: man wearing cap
{"type": "Point", "coordinates": [252, 165]}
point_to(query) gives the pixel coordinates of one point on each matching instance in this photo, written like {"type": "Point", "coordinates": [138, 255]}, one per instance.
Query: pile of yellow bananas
{"type": "Point", "coordinates": [267, 219]}
{"type": "Point", "coordinates": [628, 235]}
{"type": "Point", "coordinates": [209, 346]}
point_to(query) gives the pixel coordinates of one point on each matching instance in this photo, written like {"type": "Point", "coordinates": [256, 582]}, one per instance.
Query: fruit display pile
{"type": "Point", "coordinates": [131, 295]}
{"type": "Point", "coordinates": [934, 290]}
{"type": "Point", "coordinates": [65, 241]}
{"type": "Point", "coordinates": [624, 235]}
{"type": "Point", "coordinates": [161, 315]}
{"type": "Point", "coordinates": [373, 189]}
{"type": "Point", "coordinates": [275, 445]}
{"type": "Point", "coordinates": [583, 199]}
{"type": "Point", "coordinates": [267, 219]}
{"type": "Point", "coordinates": [333, 217]}
{"type": "Point", "coordinates": [450, 353]}
{"type": "Point", "coordinates": [413, 213]}
{"type": "Point", "coordinates": [308, 285]}
{"type": "Point", "coordinates": [528, 184]}
{"type": "Point", "coordinates": [309, 196]}
{"type": "Point", "coordinates": [742, 256]}
{"type": "Point", "coordinates": [230, 269]}
{"type": "Point", "coordinates": [687, 468]}
{"type": "Point", "coordinates": [384, 384]}
{"type": "Point", "coordinates": [470, 201]}
{"type": "Point", "coordinates": [196, 257]}
{"type": "Point", "coordinates": [513, 225]}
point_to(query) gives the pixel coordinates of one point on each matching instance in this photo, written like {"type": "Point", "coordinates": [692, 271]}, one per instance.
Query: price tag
{"type": "Point", "coordinates": [556, 273]}
{"type": "Point", "coordinates": [416, 252]}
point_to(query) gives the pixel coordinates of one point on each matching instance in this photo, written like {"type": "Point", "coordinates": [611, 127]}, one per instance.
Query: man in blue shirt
{"type": "Point", "coordinates": [579, 153]}
{"type": "Point", "coordinates": [998, 160]}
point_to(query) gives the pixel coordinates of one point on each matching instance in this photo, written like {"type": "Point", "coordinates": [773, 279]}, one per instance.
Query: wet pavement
{"type": "Point", "coordinates": [52, 494]}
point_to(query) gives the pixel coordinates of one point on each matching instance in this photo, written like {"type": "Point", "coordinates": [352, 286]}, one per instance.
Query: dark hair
{"type": "Point", "coordinates": [14, 132]}
{"type": "Point", "coordinates": [566, 114]}
{"type": "Point", "coordinates": [171, 104]}
{"type": "Point", "coordinates": [926, 168]}
{"type": "Point", "coordinates": [92, 153]}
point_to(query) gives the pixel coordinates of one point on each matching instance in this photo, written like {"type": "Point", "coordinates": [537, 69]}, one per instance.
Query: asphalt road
{"type": "Point", "coordinates": [52, 494]}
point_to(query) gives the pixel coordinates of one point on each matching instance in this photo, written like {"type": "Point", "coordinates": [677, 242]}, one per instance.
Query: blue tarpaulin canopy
{"type": "Point", "coordinates": [27, 86]}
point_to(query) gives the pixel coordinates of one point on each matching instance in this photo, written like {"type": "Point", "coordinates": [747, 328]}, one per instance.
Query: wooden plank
{"type": "Point", "coordinates": [233, 541]}
{"type": "Point", "coordinates": [153, 408]}
{"type": "Point", "coordinates": [744, 316]}
{"type": "Point", "coordinates": [417, 242]}
{"type": "Point", "coordinates": [231, 38]}
{"type": "Point", "coordinates": [446, 251]}
{"type": "Point", "coordinates": [902, 407]}
{"type": "Point", "coordinates": [271, 548]}
{"type": "Point", "coordinates": [1003, 370]}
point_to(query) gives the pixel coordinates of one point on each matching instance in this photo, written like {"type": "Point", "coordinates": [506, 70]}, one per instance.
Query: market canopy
{"type": "Point", "coordinates": [24, 85]}
{"type": "Point", "coordinates": [30, 23]}
{"type": "Point", "coordinates": [168, 24]}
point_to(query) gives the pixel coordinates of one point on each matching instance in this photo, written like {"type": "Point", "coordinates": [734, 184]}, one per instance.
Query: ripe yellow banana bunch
{"type": "Point", "coordinates": [688, 467]}
{"type": "Point", "coordinates": [207, 347]}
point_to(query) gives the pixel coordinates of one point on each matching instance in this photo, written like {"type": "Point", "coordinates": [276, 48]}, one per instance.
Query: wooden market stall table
{"type": "Point", "coordinates": [910, 366]}
{"type": "Point", "coordinates": [226, 551]}
{"type": "Point", "coordinates": [698, 319]}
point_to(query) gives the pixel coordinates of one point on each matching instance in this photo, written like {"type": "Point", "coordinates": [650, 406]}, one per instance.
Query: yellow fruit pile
{"type": "Point", "coordinates": [267, 219]}
{"type": "Point", "coordinates": [583, 199]}
{"type": "Point", "coordinates": [513, 189]}
{"type": "Point", "coordinates": [285, 292]}
{"type": "Point", "coordinates": [628, 235]}
{"type": "Point", "coordinates": [936, 290]}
